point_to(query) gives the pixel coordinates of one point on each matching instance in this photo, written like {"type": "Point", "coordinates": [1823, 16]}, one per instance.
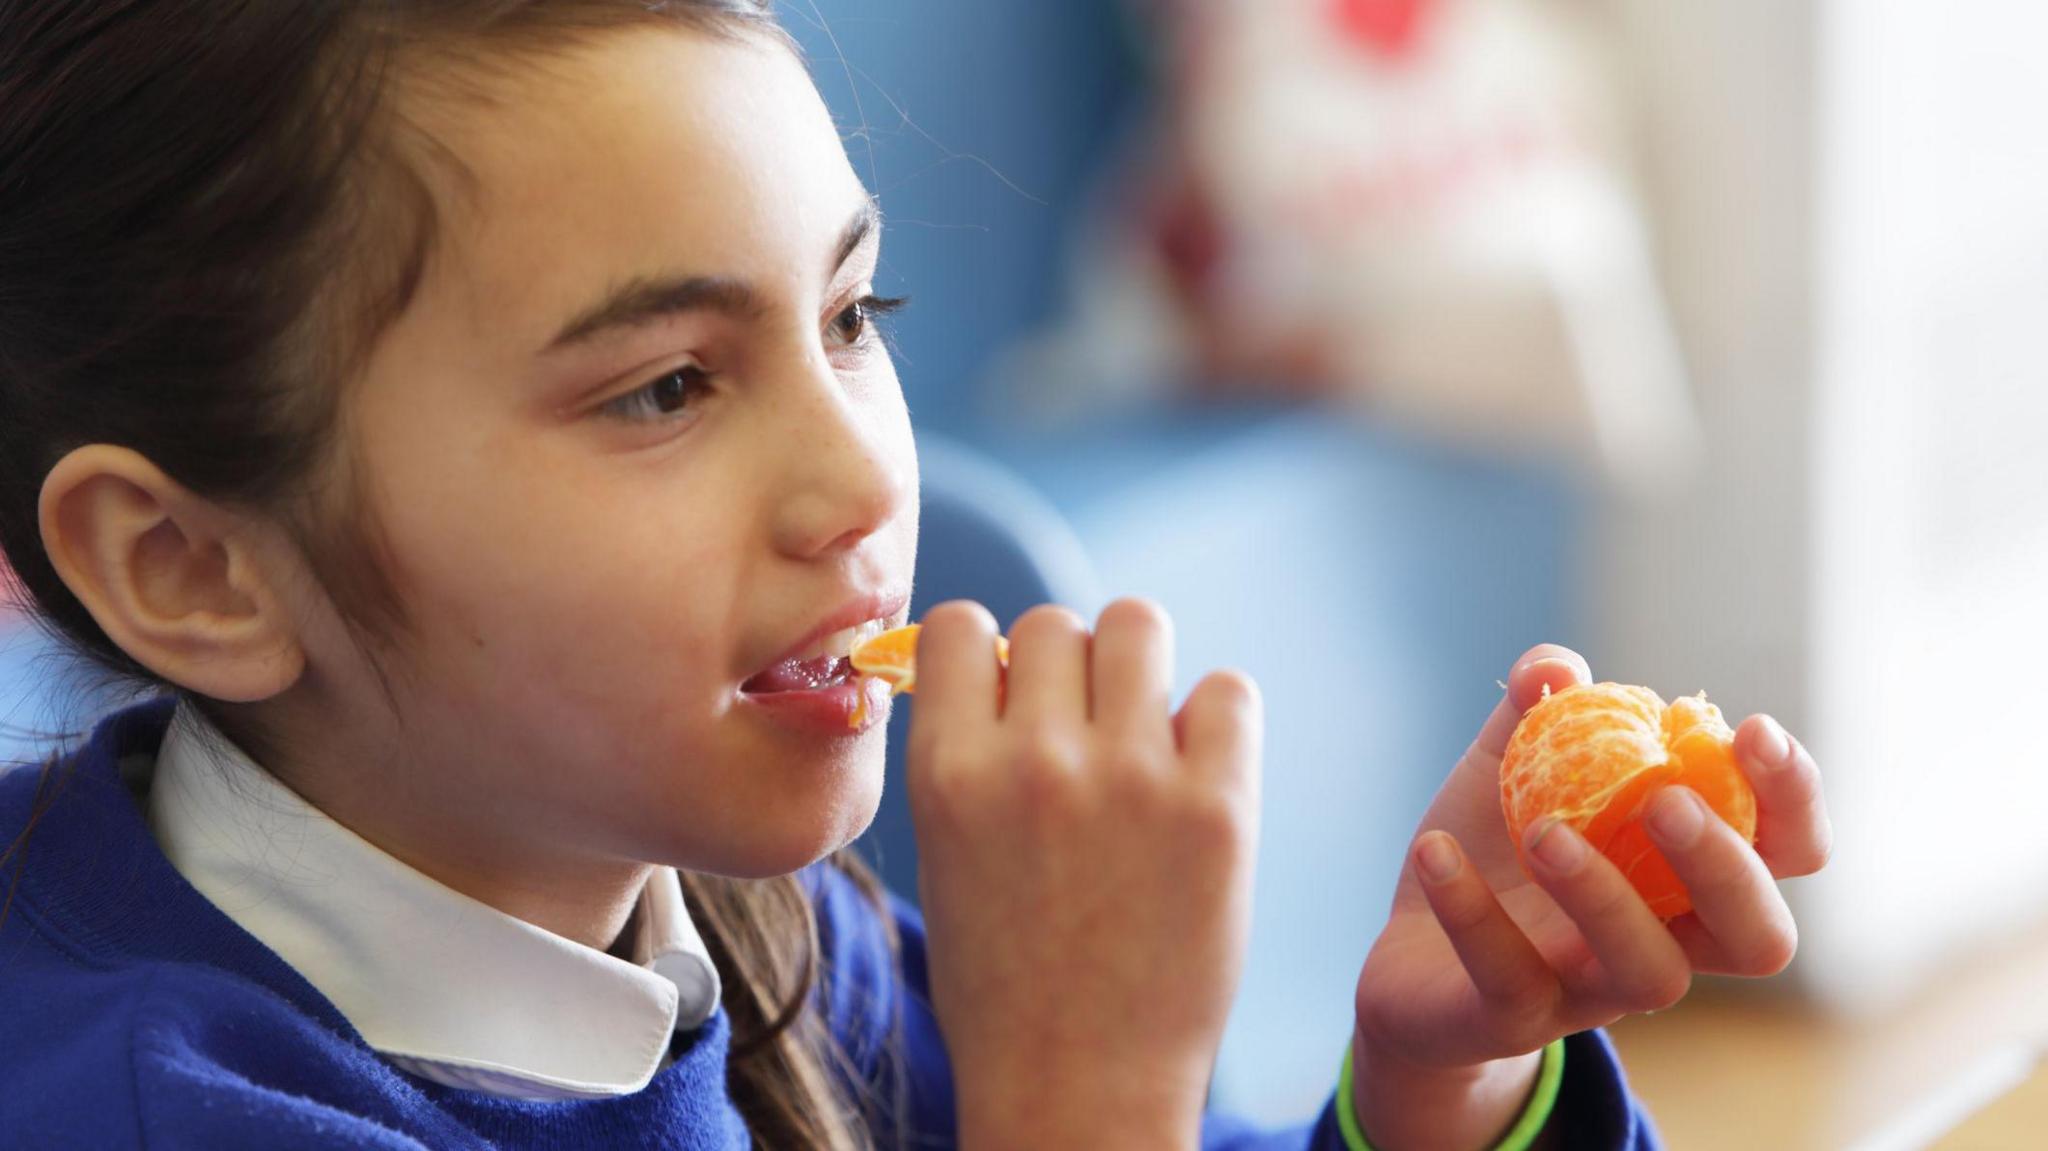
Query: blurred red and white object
{"type": "Point", "coordinates": [1417, 205]}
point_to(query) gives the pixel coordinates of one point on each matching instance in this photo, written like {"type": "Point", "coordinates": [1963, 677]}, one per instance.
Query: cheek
{"type": "Point", "coordinates": [884, 391]}
{"type": "Point", "coordinates": [597, 615]}
{"type": "Point", "coordinates": [537, 592]}
{"type": "Point", "coordinates": [903, 446]}
{"type": "Point", "coordinates": [881, 394]}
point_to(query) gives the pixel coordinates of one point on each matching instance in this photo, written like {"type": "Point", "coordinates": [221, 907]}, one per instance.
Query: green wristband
{"type": "Point", "coordinates": [1542, 1102]}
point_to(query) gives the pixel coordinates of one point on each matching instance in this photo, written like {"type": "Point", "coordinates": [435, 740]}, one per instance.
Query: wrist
{"type": "Point", "coordinates": [1042, 1131]}
{"type": "Point", "coordinates": [1401, 1104]}
{"type": "Point", "coordinates": [1030, 1112]}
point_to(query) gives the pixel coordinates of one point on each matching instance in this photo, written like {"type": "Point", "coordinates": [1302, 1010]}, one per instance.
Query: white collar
{"type": "Point", "coordinates": [442, 985]}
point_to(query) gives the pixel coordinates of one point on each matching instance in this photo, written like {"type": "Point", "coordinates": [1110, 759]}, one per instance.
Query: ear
{"type": "Point", "coordinates": [178, 582]}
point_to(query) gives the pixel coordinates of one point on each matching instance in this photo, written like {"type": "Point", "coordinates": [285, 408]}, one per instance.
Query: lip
{"type": "Point", "coordinates": [827, 712]}
{"type": "Point", "coordinates": [874, 605]}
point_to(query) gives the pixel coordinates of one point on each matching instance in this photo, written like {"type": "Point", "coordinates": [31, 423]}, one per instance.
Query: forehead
{"type": "Point", "coordinates": [644, 152]}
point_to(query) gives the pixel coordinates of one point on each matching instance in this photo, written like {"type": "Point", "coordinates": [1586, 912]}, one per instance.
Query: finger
{"type": "Point", "coordinates": [1133, 670]}
{"type": "Point", "coordinates": [1504, 965]}
{"type": "Point", "coordinates": [1048, 667]}
{"type": "Point", "coordinates": [1793, 833]}
{"type": "Point", "coordinates": [1706, 952]}
{"type": "Point", "coordinates": [1546, 665]}
{"type": "Point", "coordinates": [1701, 948]}
{"type": "Point", "coordinates": [956, 679]}
{"type": "Point", "coordinates": [1221, 726]}
{"type": "Point", "coordinates": [1733, 896]}
{"type": "Point", "coordinates": [1641, 967]}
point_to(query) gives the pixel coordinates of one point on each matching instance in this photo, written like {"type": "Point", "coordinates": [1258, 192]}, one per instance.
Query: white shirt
{"type": "Point", "coordinates": [442, 985]}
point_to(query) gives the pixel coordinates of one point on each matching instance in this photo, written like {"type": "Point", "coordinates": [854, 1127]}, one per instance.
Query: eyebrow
{"type": "Point", "coordinates": [644, 300]}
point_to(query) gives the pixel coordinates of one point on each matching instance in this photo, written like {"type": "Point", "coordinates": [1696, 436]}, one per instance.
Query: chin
{"type": "Point", "coordinates": [796, 838]}
{"type": "Point", "coordinates": [793, 854]}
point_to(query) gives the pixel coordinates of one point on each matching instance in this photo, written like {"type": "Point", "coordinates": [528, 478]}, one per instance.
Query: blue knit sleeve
{"type": "Point", "coordinates": [908, 1084]}
{"type": "Point", "coordinates": [1595, 1107]}
{"type": "Point", "coordinates": [1594, 1111]}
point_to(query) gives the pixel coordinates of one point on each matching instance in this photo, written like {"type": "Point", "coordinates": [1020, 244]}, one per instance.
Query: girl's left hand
{"type": "Point", "coordinates": [1479, 967]}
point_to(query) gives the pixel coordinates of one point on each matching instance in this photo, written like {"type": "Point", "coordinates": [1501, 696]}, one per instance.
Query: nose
{"type": "Point", "coordinates": [849, 468]}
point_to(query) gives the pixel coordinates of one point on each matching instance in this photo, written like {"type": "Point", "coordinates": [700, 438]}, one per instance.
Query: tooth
{"type": "Point", "coordinates": [840, 644]}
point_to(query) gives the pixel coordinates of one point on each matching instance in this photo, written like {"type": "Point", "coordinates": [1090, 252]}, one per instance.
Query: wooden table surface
{"type": "Point", "coordinates": [2014, 1119]}
{"type": "Point", "coordinates": [1953, 1067]}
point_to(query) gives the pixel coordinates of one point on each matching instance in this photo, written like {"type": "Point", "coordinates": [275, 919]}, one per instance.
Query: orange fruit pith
{"type": "Point", "coordinates": [1595, 754]}
{"type": "Point", "coordinates": [892, 658]}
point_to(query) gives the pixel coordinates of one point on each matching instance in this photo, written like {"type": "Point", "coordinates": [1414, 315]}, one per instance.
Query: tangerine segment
{"type": "Point", "coordinates": [1594, 754]}
{"type": "Point", "coordinates": [892, 658]}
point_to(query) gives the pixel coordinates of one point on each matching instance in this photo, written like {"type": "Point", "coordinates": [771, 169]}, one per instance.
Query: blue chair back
{"type": "Point", "coordinates": [981, 126]}
{"type": "Point", "coordinates": [42, 691]}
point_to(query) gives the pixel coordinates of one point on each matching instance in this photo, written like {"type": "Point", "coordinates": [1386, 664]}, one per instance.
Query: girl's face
{"type": "Point", "coordinates": [633, 444]}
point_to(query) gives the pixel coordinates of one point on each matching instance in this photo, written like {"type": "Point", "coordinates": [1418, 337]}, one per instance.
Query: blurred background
{"type": "Point", "coordinates": [1381, 339]}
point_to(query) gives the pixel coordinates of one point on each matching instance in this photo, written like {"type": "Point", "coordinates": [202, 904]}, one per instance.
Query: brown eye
{"type": "Point", "coordinates": [852, 325]}
{"type": "Point", "coordinates": [663, 397]}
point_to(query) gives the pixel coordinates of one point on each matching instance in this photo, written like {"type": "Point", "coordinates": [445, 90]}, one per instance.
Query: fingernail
{"type": "Point", "coordinates": [1774, 749]}
{"type": "Point", "coordinates": [1676, 818]}
{"type": "Point", "coordinates": [1570, 668]}
{"type": "Point", "coordinates": [1557, 847]}
{"type": "Point", "coordinates": [1437, 859]}
{"type": "Point", "coordinates": [1544, 671]}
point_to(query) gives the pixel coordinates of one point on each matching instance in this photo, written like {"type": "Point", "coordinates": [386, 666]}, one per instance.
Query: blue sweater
{"type": "Point", "coordinates": [133, 1013]}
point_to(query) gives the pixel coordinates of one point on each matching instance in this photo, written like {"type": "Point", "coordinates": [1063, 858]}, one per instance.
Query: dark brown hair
{"type": "Point", "coordinates": [208, 210]}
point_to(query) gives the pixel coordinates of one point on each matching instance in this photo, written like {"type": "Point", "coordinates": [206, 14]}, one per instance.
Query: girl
{"type": "Point", "coordinates": [471, 415]}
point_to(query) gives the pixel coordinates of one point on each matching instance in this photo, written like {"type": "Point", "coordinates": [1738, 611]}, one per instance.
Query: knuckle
{"type": "Point", "coordinates": [1044, 748]}
{"type": "Point", "coordinates": [929, 751]}
{"type": "Point", "coordinates": [1806, 858]}
{"type": "Point", "coordinates": [1663, 989]}
{"type": "Point", "coordinates": [1218, 823]}
{"type": "Point", "coordinates": [1603, 897]}
{"type": "Point", "coordinates": [1799, 788]}
{"type": "Point", "coordinates": [1129, 760]}
{"type": "Point", "coordinates": [1773, 952]}
{"type": "Point", "coordinates": [1722, 863]}
{"type": "Point", "coordinates": [1457, 909]}
{"type": "Point", "coordinates": [1527, 1011]}
{"type": "Point", "coordinates": [943, 792]}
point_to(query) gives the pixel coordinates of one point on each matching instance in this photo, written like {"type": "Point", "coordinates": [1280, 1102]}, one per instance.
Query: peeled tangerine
{"type": "Point", "coordinates": [892, 658]}
{"type": "Point", "coordinates": [1595, 754]}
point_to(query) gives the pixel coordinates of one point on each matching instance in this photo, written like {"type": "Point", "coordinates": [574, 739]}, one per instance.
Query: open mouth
{"type": "Point", "coordinates": [822, 666]}
{"type": "Point", "coordinates": [801, 675]}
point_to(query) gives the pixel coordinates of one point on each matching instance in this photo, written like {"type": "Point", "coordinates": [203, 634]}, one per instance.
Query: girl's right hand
{"type": "Point", "coordinates": [1085, 863]}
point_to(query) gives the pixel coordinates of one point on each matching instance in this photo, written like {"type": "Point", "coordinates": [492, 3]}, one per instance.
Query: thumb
{"type": "Point", "coordinates": [1546, 665]}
